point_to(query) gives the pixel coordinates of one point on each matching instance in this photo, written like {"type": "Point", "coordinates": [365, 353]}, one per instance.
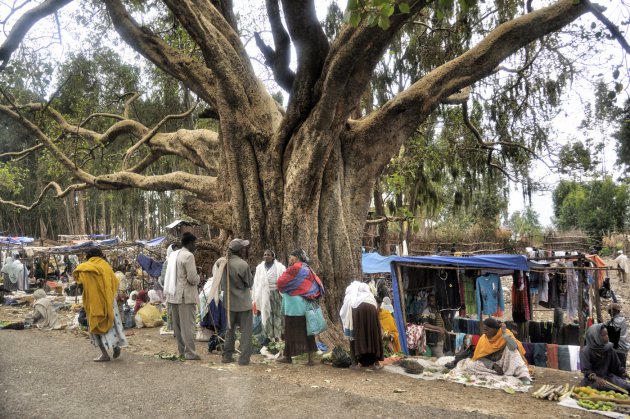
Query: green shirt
{"type": "Point", "coordinates": [293, 305]}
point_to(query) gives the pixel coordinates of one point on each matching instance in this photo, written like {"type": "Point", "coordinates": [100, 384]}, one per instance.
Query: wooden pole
{"type": "Point", "coordinates": [401, 292]}
{"type": "Point", "coordinates": [581, 320]}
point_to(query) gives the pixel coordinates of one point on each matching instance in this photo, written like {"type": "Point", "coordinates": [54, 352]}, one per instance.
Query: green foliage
{"type": "Point", "coordinates": [574, 159]}
{"type": "Point", "coordinates": [11, 179]}
{"type": "Point", "coordinates": [598, 206]}
{"type": "Point", "coordinates": [622, 137]}
{"type": "Point", "coordinates": [524, 223]}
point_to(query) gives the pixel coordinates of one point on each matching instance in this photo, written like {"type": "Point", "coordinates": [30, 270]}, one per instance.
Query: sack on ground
{"type": "Point", "coordinates": [340, 358]}
{"type": "Point", "coordinates": [148, 316]}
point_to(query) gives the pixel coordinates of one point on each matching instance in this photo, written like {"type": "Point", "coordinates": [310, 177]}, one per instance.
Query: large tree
{"type": "Point", "coordinates": [283, 178]}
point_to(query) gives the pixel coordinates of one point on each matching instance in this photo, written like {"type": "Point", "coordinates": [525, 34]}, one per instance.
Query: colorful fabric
{"type": "Point", "coordinates": [389, 328]}
{"type": "Point", "coordinates": [520, 299]}
{"type": "Point", "coordinates": [115, 336]}
{"type": "Point", "coordinates": [299, 279]}
{"type": "Point", "coordinates": [470, 299]}
{"type": "Point", "coordinates": [99, 293]}
{"type": "Point", "coordinates": [552, 356]}
{"type": "Point", "coordinates": [415, 337]}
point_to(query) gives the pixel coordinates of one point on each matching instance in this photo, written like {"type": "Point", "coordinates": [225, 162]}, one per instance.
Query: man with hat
{"type": "Point", "coordinates": [618, 333]}
{"type": "Point", "coordinates": [238, 300]}
{"type": "Point", "coordinates": [185, 297]}
{"type": "Point", "coordinates": [622, 263]}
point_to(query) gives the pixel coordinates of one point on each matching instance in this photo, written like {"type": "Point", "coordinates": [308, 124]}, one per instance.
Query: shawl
{"type": "Point", "coordinates": [299, 279]}
{"type": "Point", "coordinates": [487, 346]}
{"type": "Point", "coordinates": [141, 298]}
{"type": "Point", "coordinates": [170, 276]}
{"type": "Point", "coordinates": [594, 339]}
{"type": "Point", "coordinates": [387, 305]}
{"type": "Point", "coordinates": [49, 319]}
{"type": "Point", "coordinates": [99, 290]}
{"type": "Point", "coordinates": [389, 326]}
{"type": "Point", "coordinates": [261, 289]}
{"type": "Point", "coordinates": [356, 294]}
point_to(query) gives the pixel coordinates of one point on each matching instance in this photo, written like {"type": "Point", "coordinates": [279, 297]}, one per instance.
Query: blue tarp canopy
{"type": "Point", "coordinates": [153, 242]}
{"type": "Point", "coordinates": [16, 240]}
{"type": "Point", "coordinates": [501, 262]}
{"type": "Point", "coordinates": [373, 263]}
{"type": "Point", "coordinates": [78, 248]}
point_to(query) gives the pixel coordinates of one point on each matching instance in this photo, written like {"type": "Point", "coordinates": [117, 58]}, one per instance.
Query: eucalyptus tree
{"type": "Point", "coordinates": [283, 177]}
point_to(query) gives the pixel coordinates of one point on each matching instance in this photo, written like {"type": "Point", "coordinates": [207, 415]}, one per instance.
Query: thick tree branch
{"type": "Point", "coordinates": [385, 129]}
{"type": "Point", "coordinates": [154, 131]}
{"type": "Point", "coordinates": [24, 24]}
{"type": "Point", "coordinates": [201, 185]}
{"type": "Point", "coordinates": [198, 77]}
{"type": "Point", "coordinates": [597, 11]}
{"type": "Point", "coordinates": [21, 154]}
{"type": "Point", "coordinates": [283, 75]}
{"type": "Point", "coordinates": [60, 193]}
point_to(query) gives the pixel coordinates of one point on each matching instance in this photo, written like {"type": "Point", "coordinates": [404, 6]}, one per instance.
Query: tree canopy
{"type": "Point", "coordinates": [455, 82]}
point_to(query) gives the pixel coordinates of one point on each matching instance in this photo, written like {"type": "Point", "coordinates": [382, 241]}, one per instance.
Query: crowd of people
{"type": "Point", "coordinates": [282, 299]}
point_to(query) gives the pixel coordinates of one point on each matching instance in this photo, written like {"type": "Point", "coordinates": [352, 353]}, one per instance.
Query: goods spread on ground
{"type": "Point", "coordinates": [587, 397]}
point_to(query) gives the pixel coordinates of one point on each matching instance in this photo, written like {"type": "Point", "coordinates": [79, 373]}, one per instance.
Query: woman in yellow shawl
{"type": "Point", "coordinates": [390, 332]}
{"type": "Point", "coordinates": [500, 352]}
{"type": "Point", "coordinates": [100, 286]}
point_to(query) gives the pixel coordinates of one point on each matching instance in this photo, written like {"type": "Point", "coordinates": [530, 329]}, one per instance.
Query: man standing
{"type": "Point", "coordinates": [238, 300]}
{"type": "Point", "coordinates": [622, 263]}
{"type": "Point", "coordinates": [183, 297]}
{"type": "Point", "coordinates": [618, 333]}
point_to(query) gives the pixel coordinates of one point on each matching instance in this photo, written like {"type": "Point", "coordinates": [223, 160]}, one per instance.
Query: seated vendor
{"type": "Point", "coordinates": [599, 363]}
{"type": "Point", "coordinates": [500, 352]}
{"type": "Point", "coordinates": [434, 324]}
{"type": "Point", "coordinates": [44, 315]}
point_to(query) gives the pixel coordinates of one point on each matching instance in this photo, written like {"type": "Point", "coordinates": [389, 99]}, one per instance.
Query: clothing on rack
{"type": "Point", "coordinates": [540, 332]}
{"type": "Point", "coordinates": [569, 334]}
{"type": "Point", "coordinates": [529, 352]}
{"type": "Point", "coordinates": [416, 338]}
{"type": "Point", "coordinates": [520, 298]}
{"type": "Point", "coordinates": [564, 358]}
{"type": "Point", "coordinates": [447, 289]}
{"type": "Point", "coordinates": [540, 355]}
{"type": "Point", "coordinates": [552, 356]}
{"type": "Point", "coordinates": [572, 292]}
{"type": "Point", "coordinates": [470, 298]}
{"type": "Point", "coordinates": [489, 295]}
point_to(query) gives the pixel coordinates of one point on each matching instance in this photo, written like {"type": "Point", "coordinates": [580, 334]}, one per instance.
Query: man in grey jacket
{"type": "Point", "coordinates": [238, 300]}
{"type": "Point", "coordinates": [186, 297]}
{"type": "Point", "coordinates": [618, 333]}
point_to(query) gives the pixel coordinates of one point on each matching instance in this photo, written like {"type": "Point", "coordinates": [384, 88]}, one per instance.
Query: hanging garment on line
{"type": "Point", "coordinates": [520, 298]}
{"type": "Point", "coordinates": [150, 266]}
{"type": "Point", "coordinates": [489, 295]}
{"type": "Point", "coordinates": [447, 289]}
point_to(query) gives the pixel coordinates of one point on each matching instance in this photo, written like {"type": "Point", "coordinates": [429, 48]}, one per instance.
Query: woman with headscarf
{"type": "Point", "coordinates": [299, 286]}
{"type": "Point", "coordinates": [99, 294]}
{"type": "Point", "coordinates": [361, 326]}
{"type": "Point", "coordinates": [267, 297]}
{"type": "Point", "coordinates": [44, 315]}
{"type": "Point", "coordinates": [598, 361]}
{"type": "Point", "coordinates": [141, 299]}
{"type": "Point", "coordinates": [499, 352]}
{"type": "Point", "coordinates": [388, 324]}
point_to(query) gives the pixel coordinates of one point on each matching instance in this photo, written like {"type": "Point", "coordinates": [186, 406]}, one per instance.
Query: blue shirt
{"type": "Point", "coordinates": [490, 293]}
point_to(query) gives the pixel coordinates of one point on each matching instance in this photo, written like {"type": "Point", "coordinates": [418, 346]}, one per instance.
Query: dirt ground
{"type": "Point", "coordinates": [362, 393]}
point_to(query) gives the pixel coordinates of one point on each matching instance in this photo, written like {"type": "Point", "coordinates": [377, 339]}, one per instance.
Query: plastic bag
{"type": "Point", "coordinates": [150, 316]}
{"type": "Point", "coordinates": [315, 323]}
{"type": "Point", "coordinates": [340, 358]}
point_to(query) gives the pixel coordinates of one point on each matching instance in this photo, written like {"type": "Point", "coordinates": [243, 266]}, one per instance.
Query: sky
{"type": "Point", "coordinates": [565, 124]}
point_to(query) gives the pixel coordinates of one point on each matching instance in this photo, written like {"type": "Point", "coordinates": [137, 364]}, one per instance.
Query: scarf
{"type": "Point", "coordinates": [299, 279]}
{"type": "Point", "coordinates": [487, 346]}
{"type": "Point", "coordinates": [387, 305]}
{"type": "Point", "coordinates": [594, 339]}
{"type": "Point", "coordinates": [261, 288]}
{"type": "Point", "coordinates": [141, 298]}
{"type": "Point", "coordinates": [170, 277]}
{"type": "Point", "coordinates": [356, 294]}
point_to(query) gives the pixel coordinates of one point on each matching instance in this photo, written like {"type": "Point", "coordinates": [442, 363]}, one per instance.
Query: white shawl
{"type": "Point", "coordinates": [170, 277]}
{"type": "Point", "coordinates": [357, 293]}
{"type": "Point", "coordinates": [261, 289]}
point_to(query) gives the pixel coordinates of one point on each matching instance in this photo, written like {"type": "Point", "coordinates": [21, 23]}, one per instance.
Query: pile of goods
{"type": "Point", "coordinates": [553, 392]}
{"type": "Point", "coordinates": [607, 401]}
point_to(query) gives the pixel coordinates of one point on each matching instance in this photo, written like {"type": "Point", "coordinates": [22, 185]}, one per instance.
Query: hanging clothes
{"type": "Point", "coordinates": [489, 295]}
{"type": "Point", "coordinates": [543, 288]}
{"type": "Point", "coordinates": [470, 298]}
{"type": "Point", "coordinates": [520, 298]}
{"type": "Point", "coordinates": [416, 338]}
{"type": "Point", "coordinates": [447, 289]}
{"type": "Point", "coordinates": [572, 292]}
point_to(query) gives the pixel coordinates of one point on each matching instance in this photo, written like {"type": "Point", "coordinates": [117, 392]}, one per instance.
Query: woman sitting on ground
{"type": "Point", "coordinates": [298, 285]}
{"type": "Point", "coordinates": [599, 363]}
{"type": "Point", "coordinates": [44, 315]}
{"type": "Point", "coordinates": [359, 317]}
{"type": "Point", "coordinates": [499, 352]}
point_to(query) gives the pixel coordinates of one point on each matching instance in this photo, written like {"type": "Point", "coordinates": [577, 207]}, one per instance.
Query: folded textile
{"type": "Point", "coordinates": [540, 355]}
{"type": "Point", "coordinates": [552, 356]}
{"type": "Point", "coordinates": [574, 354]}
{"type": "Point", "coordinates": [564, 358]}
{"type": "Point", "coordinates": [529, 352]}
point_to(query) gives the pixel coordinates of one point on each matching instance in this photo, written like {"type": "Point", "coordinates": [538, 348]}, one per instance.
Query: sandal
{"type": "Point", "coordinates": [285, 360]}
{"type": "Point", "coordinates": [101, 358]}
{"type": "Point", "coordinates": [116, 352]}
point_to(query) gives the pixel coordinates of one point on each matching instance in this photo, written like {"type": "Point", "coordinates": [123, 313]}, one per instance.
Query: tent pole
{"type": "Point", "coordinates": [581, 320]}
{"type": "Point", "coordinates": [401, 292]}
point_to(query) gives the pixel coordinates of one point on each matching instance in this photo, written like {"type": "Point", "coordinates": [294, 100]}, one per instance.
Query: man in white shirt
{"type": "Point", "coordinates": [622, 263]}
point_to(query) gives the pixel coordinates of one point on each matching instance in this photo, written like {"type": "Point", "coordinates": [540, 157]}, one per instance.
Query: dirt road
{"type": "Point", "coordinates": [51, 375]}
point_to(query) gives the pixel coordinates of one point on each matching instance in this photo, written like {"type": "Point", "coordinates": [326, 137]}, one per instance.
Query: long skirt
{"type": "Point", "coordinates": [367, 343]}
{"type": "Point", "coordinates": [275, 321]}
{"type": "Point", "coordinates": [114, 338]}
{"type": "Point", "coordinates": [511, 362]}
{"type": "Point", "coordinates": [296, 341]}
